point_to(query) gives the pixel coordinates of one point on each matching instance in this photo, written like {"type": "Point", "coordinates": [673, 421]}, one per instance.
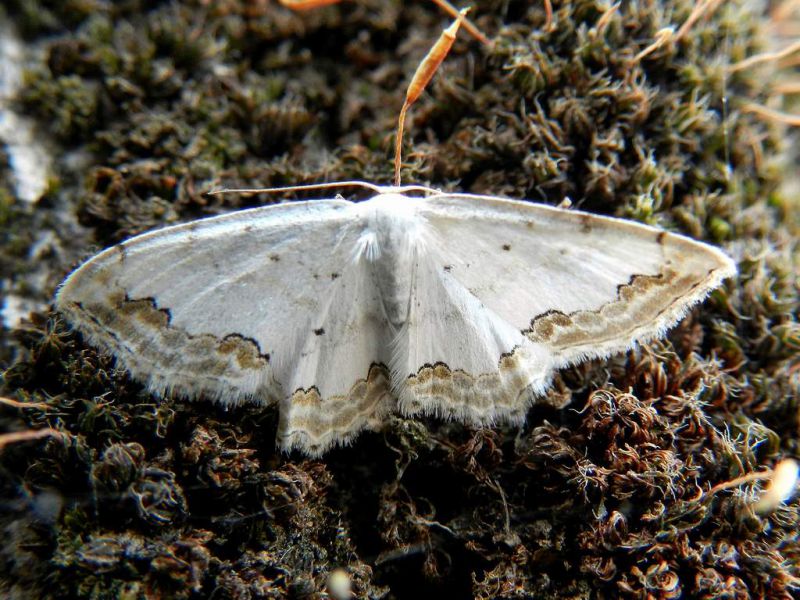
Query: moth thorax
{"type": "Point", "coordinates": [399, 235]}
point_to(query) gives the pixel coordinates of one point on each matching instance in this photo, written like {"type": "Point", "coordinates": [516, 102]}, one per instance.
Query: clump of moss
{"type": "Point", "coordinates": [611, 489]}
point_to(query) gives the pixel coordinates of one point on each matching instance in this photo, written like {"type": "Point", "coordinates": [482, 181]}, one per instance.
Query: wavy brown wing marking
{"type": "Point", "coordinates": [501, 395]}
{"type": "Point", "coordinates": [644, 308]}
{"type": "Point", "coordinates": [166, 358]}
{"type": "Point", "coordinates": [313, 424]}
{"type": "Point", "coordinates": [459, 359]}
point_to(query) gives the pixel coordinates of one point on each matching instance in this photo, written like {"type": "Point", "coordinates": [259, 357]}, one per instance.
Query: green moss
{"type": "Point", "coordinates": [598, 496]}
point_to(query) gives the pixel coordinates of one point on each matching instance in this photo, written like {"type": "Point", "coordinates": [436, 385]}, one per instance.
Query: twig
{"type": "Point", "coordinates": [24, 436]}
{"type": "Point", "coordinates": [764, 57]}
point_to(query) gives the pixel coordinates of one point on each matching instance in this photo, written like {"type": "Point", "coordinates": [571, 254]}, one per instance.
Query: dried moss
{"type": "Point", "coordinates": [600, 495]}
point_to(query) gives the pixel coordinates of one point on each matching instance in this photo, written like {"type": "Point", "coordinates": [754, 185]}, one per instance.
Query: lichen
{"type": "Point", "coordinates": [613, 486]}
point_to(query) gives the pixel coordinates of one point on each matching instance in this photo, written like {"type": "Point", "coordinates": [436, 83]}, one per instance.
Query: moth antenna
{"type": "Point", "coordinates": [378, 189]}
{"type": "Point", "coordinates": [297, 188]}
{"type": "Point", "coordinates": [420, 80]}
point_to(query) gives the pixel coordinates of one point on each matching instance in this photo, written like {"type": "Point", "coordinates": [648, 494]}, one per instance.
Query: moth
{"type": "Point", "coordinates": [454, 305]}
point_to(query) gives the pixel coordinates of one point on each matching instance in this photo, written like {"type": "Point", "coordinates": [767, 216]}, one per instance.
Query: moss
{"type": "Point", "coordinates": [600, 495]}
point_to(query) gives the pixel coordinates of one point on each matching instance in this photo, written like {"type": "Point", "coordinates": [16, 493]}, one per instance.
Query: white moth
{"type": "Point", "coordinates": [452, 305]}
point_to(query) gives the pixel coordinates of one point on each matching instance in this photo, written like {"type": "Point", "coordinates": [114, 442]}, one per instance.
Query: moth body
{"type": "Point", "coordinates": [397, 236]}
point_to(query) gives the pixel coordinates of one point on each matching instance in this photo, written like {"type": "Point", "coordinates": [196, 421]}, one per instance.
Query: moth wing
{"type": "Point", "coordinates": [579, 284]}
{"type": "Point", "coordinates": [340, 382]}
{"type": "Point", "coordinates": [221, 306]}
{"type": "Point", "coordinates": [457, 358]}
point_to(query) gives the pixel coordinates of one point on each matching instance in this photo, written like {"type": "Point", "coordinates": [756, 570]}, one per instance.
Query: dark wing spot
{"type": "Point", "coordinates": [506, 247]}
{"type": "Point", "coordinates": [335, 276]}
{"type": "Point", "coordinates": [274, 258]}
{"type": "Point", "coordinates": [448, 268]}
{"type": "Point", "coordinates": [319, 331]}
